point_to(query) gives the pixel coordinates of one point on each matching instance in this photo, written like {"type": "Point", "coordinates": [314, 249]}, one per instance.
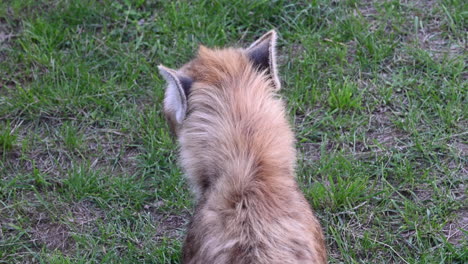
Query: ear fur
{"type": "Point", "coordinates": [175, 98]}
{"type": "Point", "coordinates": [263, 54]}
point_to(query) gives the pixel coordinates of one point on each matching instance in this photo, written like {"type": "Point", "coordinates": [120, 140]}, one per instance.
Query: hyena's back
{"type": "Point", "coordinates": [260, 227]}
{"type": "Point", "coordinates": [237, 150]}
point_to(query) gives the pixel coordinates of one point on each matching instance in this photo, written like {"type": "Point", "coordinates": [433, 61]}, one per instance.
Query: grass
{"type": "Point", "coordinates": [376, 91]}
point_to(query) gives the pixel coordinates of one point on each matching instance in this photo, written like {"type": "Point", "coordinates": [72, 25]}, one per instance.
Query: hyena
{"type": "Point", "coordinates": [237, 151]}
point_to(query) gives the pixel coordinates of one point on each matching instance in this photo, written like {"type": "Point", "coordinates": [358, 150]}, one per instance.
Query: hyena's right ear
{"type": "Point", "coordinates": [263, 54]}
{"type": "Point", "coordinates": [175, 98]}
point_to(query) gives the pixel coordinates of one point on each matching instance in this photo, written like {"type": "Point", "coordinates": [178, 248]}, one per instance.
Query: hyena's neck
{"type": "Point", "coordinates": [237, 134]}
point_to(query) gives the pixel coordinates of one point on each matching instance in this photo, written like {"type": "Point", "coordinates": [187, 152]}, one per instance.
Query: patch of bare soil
{"type": "Point", "coordinates": [167, 225]}
{"type": "Point", "coordinates": [382, 131]}
{"type": "Point", "coordinates": [53, 235]}
{"type": "Point", "coordinates": [171, 226]}
{"type": "Point", "coordinates": [114, 147]}
{"type": "Point", "coordinates": [40, 154]}
{"type": "Point", "coordinates": [84, 215]}
{"type": "Point", "coordinates": [424, 194]}
{"type": "Point", "coordinates": [7, 34]}
{"type": "Point", "coordinates": [57, 235]}
{"type": "Point", "coordinates": [311, 151]}
{"type": "Point", "coordinates": [455, 231]}
{"type": "Point", "coordinates": [430, 35]}
{"type": "Point", "coordinates": [431, 40]}
{"type": "Point", "coordinates": [44, 230]}
{"type": "Point", "coordinates": [460, 147]}
{"type": "Point", "coordinates": [368, 11]}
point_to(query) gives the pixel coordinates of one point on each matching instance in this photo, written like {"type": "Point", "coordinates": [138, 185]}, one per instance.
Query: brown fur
{"type": "Point", "coordinates": [237, 150]}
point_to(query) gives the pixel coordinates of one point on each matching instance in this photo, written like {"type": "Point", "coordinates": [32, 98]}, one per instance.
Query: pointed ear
{"type": "Point", "coordinates": [175, 97]}
{"type": "Point", "coordinates": [263, 54]}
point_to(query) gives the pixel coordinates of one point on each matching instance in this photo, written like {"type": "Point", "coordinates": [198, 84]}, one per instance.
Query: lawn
{"type": "Point", "coordinates": [376, 92]}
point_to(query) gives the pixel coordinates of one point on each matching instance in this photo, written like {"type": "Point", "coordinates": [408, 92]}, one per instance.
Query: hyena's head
{"type": "Point", "coordinates": [212, 68]}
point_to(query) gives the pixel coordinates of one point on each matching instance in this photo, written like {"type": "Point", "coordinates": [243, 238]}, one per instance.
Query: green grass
{"type": "Point", "coordinates": [376, 91]}
{"type": "Point", "coordinates": [7, 138]}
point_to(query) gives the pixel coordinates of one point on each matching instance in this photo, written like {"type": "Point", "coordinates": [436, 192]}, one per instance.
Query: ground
{"type": "Point", "coordinates": [376, 92]}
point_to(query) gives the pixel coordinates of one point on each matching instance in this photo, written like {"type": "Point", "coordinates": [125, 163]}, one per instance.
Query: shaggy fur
{"type": "Point", "coordinates": [237, 150]}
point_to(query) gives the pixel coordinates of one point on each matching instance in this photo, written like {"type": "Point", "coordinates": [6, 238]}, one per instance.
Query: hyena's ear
{"type": "Point", "coordinates": [175, 98]}
{"type": "Point", "coordinates": [263, 54]}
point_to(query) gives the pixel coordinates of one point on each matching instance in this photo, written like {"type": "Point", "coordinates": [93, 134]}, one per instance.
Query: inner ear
{"type": "Point", "coordinates": [176, 94]}
{"type": "Point", "coordinates": [186, 84]}
{"type": "Point", "coordinates": [262, 53]}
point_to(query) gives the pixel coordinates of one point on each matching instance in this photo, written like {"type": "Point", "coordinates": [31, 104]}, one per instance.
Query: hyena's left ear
{"type": "Point", "coordinates": [175, 97]}
{"type": "Point", "coordinates": [263, 54]}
